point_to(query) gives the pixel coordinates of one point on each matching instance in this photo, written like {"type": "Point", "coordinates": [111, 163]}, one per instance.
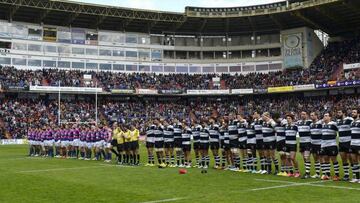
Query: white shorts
{"type": "Point", "coordinates": [64, 143]}
{"type": "Point", "coordinates": [99, 144]}
{"type": "Point", "coordinates": [89, 145]}
{"type": "Point", "coordinates": [57, 143]}
{"type": "Point", "coordinates": [107, 144]}
{"type": "Point", "coordinates": [76, 142]}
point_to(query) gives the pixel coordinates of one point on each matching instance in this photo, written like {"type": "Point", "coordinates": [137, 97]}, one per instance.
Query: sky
{"type": "Point", "coordinates": [177, 5]}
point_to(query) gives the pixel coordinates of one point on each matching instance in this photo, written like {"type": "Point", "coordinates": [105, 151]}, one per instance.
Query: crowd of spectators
{"type": "Point", "coordinates": [18, 114]}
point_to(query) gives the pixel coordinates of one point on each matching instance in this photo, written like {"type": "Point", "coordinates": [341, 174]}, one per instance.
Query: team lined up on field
{"type": "Point", "coordinates": [235, 143]}
{"type": "Point", "coordinates": [86, 142]}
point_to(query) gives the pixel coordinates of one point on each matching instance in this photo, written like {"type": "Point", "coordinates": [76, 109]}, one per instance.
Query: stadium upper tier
{"type": "Point", "coordinates": [335, 17]}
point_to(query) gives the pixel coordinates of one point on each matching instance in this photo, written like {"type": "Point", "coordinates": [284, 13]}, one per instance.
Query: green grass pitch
{"type": "Point", "coordinates": [26, 179]}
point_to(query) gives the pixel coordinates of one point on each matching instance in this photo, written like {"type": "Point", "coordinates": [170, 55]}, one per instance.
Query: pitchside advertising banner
{"type": "Point", "coordinates": [146, 91]}
{"type": "Point", "coordinates": [64, 89]}
{"type": "Point", "coordinates": [351, 66]}
{"type": "Point", "coordinates": [281, 89]}
{"type": "Point", "coordinates": [13, 141]}
{"type": "Point", "coordinates": [292, 49]}
{"type": "Point", "coordinates": [197, 92]}
{"type": "Point", "coordinates": [242, 91]}
{"type": "Point", "coordinates": [337, 84]}
{"type": "Point", "coordinates": [122, 91]}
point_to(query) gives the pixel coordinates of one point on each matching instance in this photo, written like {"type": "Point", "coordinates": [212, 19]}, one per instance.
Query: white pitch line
{"type": "Point", "coordinates": [292, 184]}
{"type": "Point", "coordinates": [59, 169]}
{"type": "Point", "coordinates": [165, 200]}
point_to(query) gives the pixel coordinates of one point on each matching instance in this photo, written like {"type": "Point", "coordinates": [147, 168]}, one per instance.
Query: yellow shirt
{"type": "Point", "coordinates": [120, 137]}
{"type": "Point", "coordinates": [127, 136]}
{"type": "Point", "coordinates": [135, 135]}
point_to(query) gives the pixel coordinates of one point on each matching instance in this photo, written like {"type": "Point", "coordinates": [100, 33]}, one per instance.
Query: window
{"type": "Point", "coordinates": [19, 46]}
{"type": "Point", "coordinates": [105, 66]}
{"type": "Point", "coordinates": [62, 64]}
{"type": "Point", "coordinates": [34, 47]}
{"type": "Point", "coordinates": [120, 67]}
{"type": "Point", "coordinates": [208, 69]}
{"type": "Point", "coordinates": [248, 68]}
{"type": "Point", "coordinates": [32, 62]}
{"type": "Point", "coordinates": [132, 54]}
{"type": "Point", "coordinates": [156, 55]}
{"type": "Point", "coordinates": [170, 69]}
{"type": "Point", "coordinates": [181, 69]}
{"type": "Point", "coordinates": [158, 68]}
{"type": "Point", "coordinates": [235, 68]}
{"type": "Point", "coordinates": [117, 52]}
{"type": "Point", "coordinates": [93, 52]}
{"type": "Point", "coordinates": [222, 69]}
{"type": "Point", "coordinates": [131, 67]}
{"type": "Point", "coordinates": [91, 66]}
{"type": "Point", "coordinates": [275, 66]}
{"type": "Point", "coordinates": [105, 52]}
{"type": "Point", "coordinates": [263, 67]}
{"type": "Point", "coordinates": [144, 54]}
{"type": "Point", "coordinates": [20, 62]}
{"type": "Point", "coordinates": [64, 49]}
{"type": "Point", "coordinates": [50, 64]}
{"type": "Point", "coordinates": [195, 69]}
{"type": "Point", "coordinates": [76, 50]}
{"type": "Point", "coordinates": [5, 61]}
{"type": "Point", "coordinates": [144, 68]}
{"type": "Point", "coordinates": [78, 65]}
{"type": "Point", "coordinates": [49, 48]}
{"type": "Point", "coordinates": [131, 39]}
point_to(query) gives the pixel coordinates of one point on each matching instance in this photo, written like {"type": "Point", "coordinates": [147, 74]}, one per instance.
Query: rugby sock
{"type": "Point", "coordinates": [149, 158]}
{"type": "Point", "coordinates": [103, 153]}
{"type": "Point", "coordinates": [268, 165]}
{"type": "Point", "coordinates": [245, 161]}
{"type": "Point", "coordinates": [207, 158]}
{"type": "Point", "coordinates": [307, 167]}
{"type": "Point", "coordinates": [203, 161]}
{"type": "Point", "coordinates": [138, 159]}
{"type": "Point", "coordinates": [178, 159]}
{"type": "Point", "coordinates": [217, 160]}
{"type": "Point", "coordinates": [182, 159]}
{"type": "Point", "coordinates": [172, 159]}
{"type": "Point", "coordinates": [167, 160]}
{"type": "Point", "coordinates": [237, 161]}
{"type": "Point", "coordinates": [317, 167]}
{"type": "Point", "coordinates": [250, 163]}
{"type": "Point", "coordinates": [346, 168]}
{"type": "Point", "coordinates": [131, 160]}
{"type": "Point", "coordinates": [134, 159]}
{"type": "Point", "coordinates": [114, 151]}
{"type": "Point", "coordinates": [262, 163]}
{"type": "Point", "coordinates": [277, 164]}
{"type": "Point", "coordinates": [124, 158]}
{"type": "Point", "coordinates": [336, 168]}
{"type": "Point", "coordinates": [223, 160]}
{"type": "Point", "coordinates": [255, 164]}
{"type": "Point", "coordinates": [197, 160]}
{"type": "Point", "coordinates": [356, 171]}
{"type": "Point", "coordinates": [291, 169]}
{"type": "Point", "coordinates": [327, 169]}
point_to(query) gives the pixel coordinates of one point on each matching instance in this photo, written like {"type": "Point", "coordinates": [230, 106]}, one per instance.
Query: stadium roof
{"type": "Point", "coordinates": [335, 17]}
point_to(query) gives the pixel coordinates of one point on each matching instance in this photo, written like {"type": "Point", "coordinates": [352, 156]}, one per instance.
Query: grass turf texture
{"type": "Point", "coordinates": [93, 181]}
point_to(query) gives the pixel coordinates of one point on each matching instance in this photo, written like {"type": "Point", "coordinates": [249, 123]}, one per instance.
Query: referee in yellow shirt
{"type": "Point", "coordinates": [134, 145]}
{"type": "Point", "coordinates": [127, 145]}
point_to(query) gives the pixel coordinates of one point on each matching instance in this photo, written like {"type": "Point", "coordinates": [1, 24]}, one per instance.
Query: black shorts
{"type": "Point", "coordinates": [214, 145]}
{"type": "Point", "coordinates": [270, 145]}
{"type": "Point", "coordinates": [134, 145]}
{"type": "Point", "coordinates": [234, 144]}
{"type": "Point", "coordinates": [260, 144]}
{"type": "Point", "coordinates": [242, 145]}
{"type": "Point", "coordinates": [251, 146]}
{"type": "Point", "coordinates": [344, 147]}
{"type": "Point", "coordinates": [126, 146]}
{"type": "Point", "coordinates": [168, 145]}
{"type": "Point", "coordinates": [204, 146]}
{"type": "Point", "coordinates": [150, 145]}
{"type": "Point", "coordinates": [114, 142]}
{"type": "Point", "coordinates": [186, 148]}
{"type": "Point", "coordinates": [196, 146]}
{"type": "Point", "coordinates": [222, 144]}
{"type": "Point", "coordinates": [315, 149]}
{"type": "Point", "coordinates": [159, 145]}
{"type": "Point", "coordinates": [178, 143]}
{"type": "Point", "coordinates": [280, 146]}
{"type": "Point", "coordinates": [120, 147]}
{"type": "Point", "coordinates": [290, 147]}
{"type": "Point", "coordinates": [305, 147]}
{"type": "Point", "coordinates": [329, 151]}
{"type": "Point", "coordinates": [226, 147]}
{"type": "Point", "coordinates": [355, 149]}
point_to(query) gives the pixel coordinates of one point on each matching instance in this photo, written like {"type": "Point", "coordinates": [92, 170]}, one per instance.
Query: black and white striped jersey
{"type": "Point", "coordinates": [233, 130]}
{"type": "Point", "coordinates": [329, 134]}
{"type": "Point", "coordinates": [214, 133]}
{"type": "Point", "coordinates": [316, 132]}
{"type": "Point", "coordinates": [280, 130]}
{"type": "Point", "coordinates": [186, 136]}
{"type": "Point", "coordinates": [268, 131]}
{"type": "Point", "coordinates": [169, 134]}
{"type": "Point", "coordinates": [344, 126]}
{"type": "Point", "coordinates": [196, 133]}
{"type": "Point", "coordinates": [257, 125]}
{"type": "Point", "coordinates": [204, 136]}
{"type": "Point", "coordinates": [242, 131]}
{"type": "Point", "coordinates": [304, 131]}
{"type": "Point", "coordinates": [290, 134]}
{"type": "Point", "coordinates": [159, 134]}
{"type": "Point", "coordinates": [355, 133]}
{"type": "Point", "coordinates": [150, 134]}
